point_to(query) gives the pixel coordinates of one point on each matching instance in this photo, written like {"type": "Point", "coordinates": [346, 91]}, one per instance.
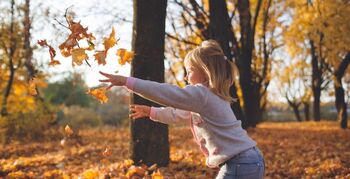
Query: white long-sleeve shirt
{"type": "Point", "coordinates": [213, 124]}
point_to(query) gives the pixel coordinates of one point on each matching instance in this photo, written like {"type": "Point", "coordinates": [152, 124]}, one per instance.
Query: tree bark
{"type": "Point", "coordinates": [316, 82]}
{"type": "Point", "coordinates": [306, 111]}
{"type": "Point", "coordinates": [149, 140]}
{"type": "Point", "coordinates": [339, 92]}
{"type": "Point", "coordinates": [219, 30]}
{"type": "Point", "coordinates": [295, 106]}
{"type": "Point", "coordinates": [28, 49]}
{"type": "Point", "coordinates": [244, 61]}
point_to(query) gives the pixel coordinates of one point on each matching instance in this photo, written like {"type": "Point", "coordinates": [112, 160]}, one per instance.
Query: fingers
{"type": "Point", "coordinates": [136, 116]}
{"type": "Point", "coordinates": [135, 106]}
{"type": "Point", "coordinates": [106, 74]}
{"type": "Point", "coordinates": [106, 80]}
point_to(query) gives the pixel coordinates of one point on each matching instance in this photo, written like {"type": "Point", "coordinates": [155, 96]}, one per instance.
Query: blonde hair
{"type": "Point", "coordinates": [210, 59]}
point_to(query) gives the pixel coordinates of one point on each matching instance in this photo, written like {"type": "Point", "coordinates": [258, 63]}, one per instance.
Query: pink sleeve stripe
{"type": "Point", "coordinates": [130, 82]}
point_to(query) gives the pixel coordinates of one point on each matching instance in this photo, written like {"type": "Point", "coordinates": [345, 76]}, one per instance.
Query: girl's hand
{"type": "Point", "coordinates": [115, 80]}
{"type": "Point", "coordinates": [139, 111]}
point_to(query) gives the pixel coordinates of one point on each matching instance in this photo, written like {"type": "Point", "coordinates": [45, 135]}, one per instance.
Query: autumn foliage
{"type": "Point", "coordinates": [291, 150]}
{"type": "Point", "coordinates": [71, 48]}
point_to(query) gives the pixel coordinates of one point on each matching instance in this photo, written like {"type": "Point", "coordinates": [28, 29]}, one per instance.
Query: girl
{"type": "Point", "coordinates": [205, 105]}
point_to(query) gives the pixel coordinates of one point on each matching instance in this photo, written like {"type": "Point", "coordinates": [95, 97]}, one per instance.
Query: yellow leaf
{"type": "Point", "coordinates": [157, 175]}
{"type": "Point", "coordinates": [79, 55]}
{"type": "Point", "coordinates": [99, 94]}
{"type": "Point", "coordinates": [90, 174]}
{"type": "Point", "coordinates": [124, 56]}
{"type": "Point", "coordinates": [111, 41]}
{"type": "Point", "coordinates": [54, 62]}
{"type": "Point", "coordinates": [135, 172]}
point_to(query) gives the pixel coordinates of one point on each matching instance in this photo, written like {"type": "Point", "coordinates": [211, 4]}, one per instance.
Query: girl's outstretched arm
{"type": "Point", "coordinates": [190, 98]}
{"type": "Point", "coordinates": [165, 115]}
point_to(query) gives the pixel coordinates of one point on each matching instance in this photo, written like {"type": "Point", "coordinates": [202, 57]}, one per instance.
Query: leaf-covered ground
{"type": "Point", "coordinates": [291, 150]}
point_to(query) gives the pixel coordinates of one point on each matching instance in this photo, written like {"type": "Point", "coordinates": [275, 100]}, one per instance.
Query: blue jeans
{"type": "Point", "coordinates": [248, 164]}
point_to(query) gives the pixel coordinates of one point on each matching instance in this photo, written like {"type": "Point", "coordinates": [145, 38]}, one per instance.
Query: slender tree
{"type": "Point", "coordinates": [10, 54]}
{"type": "Point", "coordinates": [220, 30]}
{"type": "Point", "coordinates": [339, 91]}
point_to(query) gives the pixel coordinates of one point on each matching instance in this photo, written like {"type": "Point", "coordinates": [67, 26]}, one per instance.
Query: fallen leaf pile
{"type": "Point", "coordinates": [291, 150]}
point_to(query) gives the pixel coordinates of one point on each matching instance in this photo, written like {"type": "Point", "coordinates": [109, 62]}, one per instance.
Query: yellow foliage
{"type": "Point", "coordinates": [32, 87]}
{"type": "Point", "coordinates": [99, 93]}
{"type": "Point", "coordinates": [110, 41]}
{"type": "Point", "coordinates": [157, 175]}
{"type": "Point", "coordinates": [282, 144]}
{"type": "Point", "coordinates": [135, 171]}
{"type": "Point", "coordinates": [125, 56]}
{"type": "Point", "coordinates": [78, 56]}
{"type": "Point", "coordinates": [326, 22]}
{"type": "Point", "coordinates": [90, 174]}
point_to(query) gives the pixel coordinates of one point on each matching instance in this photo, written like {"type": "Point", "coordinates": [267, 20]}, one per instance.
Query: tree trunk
{"type": "Point", "coordinates": [316, 82]}
{"type": "Point", "coordinates": [244, 61]}
{"type": "Point", "coordinates": [339, 92]}
{"type": "Point", "coordinates": [306, 111]}
{"type": "Point", "coordinates": [11, 53]}
{"type": "Point", "coordinates": [296, 112]}
{"type": "Point", "coordinates": [28, 49]}
{"type": "Point", "coordinates": [295, 107]}
{"type": "Point", "coordinates": [149, 140]}
{"type": "Point", "coordinates": [219, 30]}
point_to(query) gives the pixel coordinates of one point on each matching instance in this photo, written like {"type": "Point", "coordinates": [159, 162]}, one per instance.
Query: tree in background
{"type": "Point", "coordinates": [235, 25]}
{"type": "Point", "coordinates": [149, 139]}
{"type": "Point", "coordinates": [324, 24]}
{"type": "Point", "coordinates": [293, 85]}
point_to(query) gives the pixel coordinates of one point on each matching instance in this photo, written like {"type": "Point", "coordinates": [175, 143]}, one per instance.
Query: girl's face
{"type": "Point", "coordinates": [194, 75]}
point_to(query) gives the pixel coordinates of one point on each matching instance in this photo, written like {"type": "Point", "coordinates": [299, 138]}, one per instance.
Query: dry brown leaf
{"type": "Point", "coordinates": [100, 56]}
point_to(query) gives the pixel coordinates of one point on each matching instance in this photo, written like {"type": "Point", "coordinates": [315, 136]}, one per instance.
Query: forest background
{"type": "Point", "coordinates": [293, 84]}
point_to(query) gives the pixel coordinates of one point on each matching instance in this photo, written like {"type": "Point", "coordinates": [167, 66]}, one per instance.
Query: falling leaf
{"type": "Point", "coordinates": [54, 62]}
{"type": "Point", "coordinates": [91, 45]}
{"type": "Point", "coordinates": [68, 130]}
{"type": "Point", "coordinates": [32, 87]}
{"type": "Point", "coordinates": [79, 55]}
{"type": "Point", "coordinates": [110, 41]}
{"type": "Point", "coordinates": [99, 93]}
{"type": "Point", "coordinates": [100, 56]}
{"type": "Point", "coordinates": [52, 52]}
{"type": "Point", "coordinates": [124, 56]}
